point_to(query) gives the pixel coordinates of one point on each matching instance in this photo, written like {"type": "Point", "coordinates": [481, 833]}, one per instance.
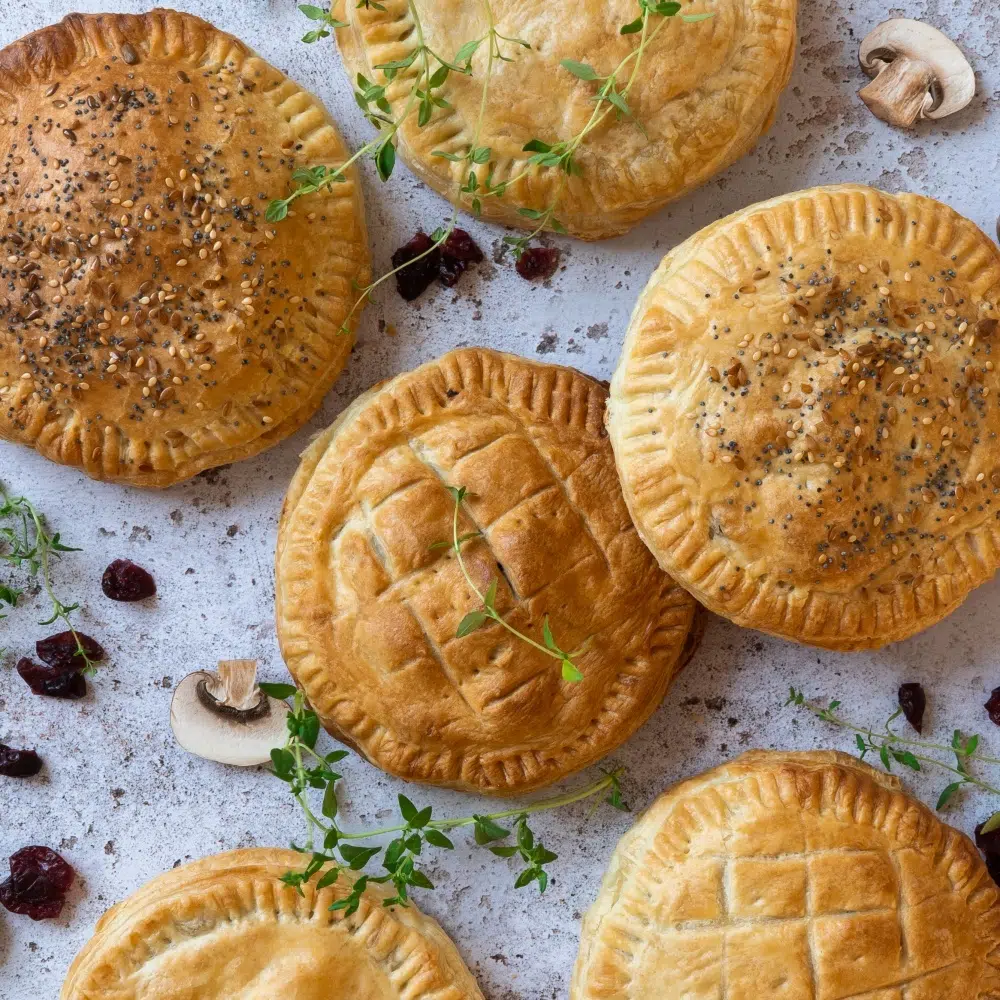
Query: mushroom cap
{"type": "Point", "coordinates": [243, 736]}
{"type": "Point", "coordinates": [954, 76]}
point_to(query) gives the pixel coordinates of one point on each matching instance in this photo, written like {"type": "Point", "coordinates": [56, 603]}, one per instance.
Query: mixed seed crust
{"type": "Point", "coordinates": [804, 415]}
{"type": "Point", "coordinates": [152, 324]}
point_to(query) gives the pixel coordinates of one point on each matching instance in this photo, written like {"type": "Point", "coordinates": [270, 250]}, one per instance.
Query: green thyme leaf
{"type": "Point", "coordinates": [437, 839]}
{"type": "Point", "coordinates": [357, 857]}
{"type": "Point", "coordinates": [472, 621]}
{"type": "Point", "coordinates": [486, 830]}
{"type": "Point", "coordinates": [385, 160]}
{"type": "Point", "coordinates": [279, 691]}
{"type": "Point", "coordinates": [581, 70]}
{"type": "Point", "coordinates": [276, 210]}
{"type": "Point", "coordinates": [570, 672]}
{"type": "Point", "coordinates": [945, 797]}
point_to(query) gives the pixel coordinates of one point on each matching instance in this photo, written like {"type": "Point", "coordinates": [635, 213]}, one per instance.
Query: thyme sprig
{"type": "Point", "coordinates": [433, 70]}
{"type": "Point", "coordinates": [27, 544]}
{"type": "Point", "coordinates": [610, 97]}
{"type": "Point", "coordinates": [478, 172]}
{"type": "Point", "coordinates": [890, 746]}
{"type": "Point", "coordinates": [335, 849]}
{"type": "Point", "coordinates": [478, 617]}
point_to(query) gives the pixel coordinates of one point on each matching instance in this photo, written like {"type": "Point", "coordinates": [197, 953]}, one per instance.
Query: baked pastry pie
{"type": "Point", "coordinates": [154, 324]}
{"type": "Point", "coordinates": [370, 596]}
{"type": "Point", "coordinates": [685, 124]}
{"type": "Point", "coordinates": [228, 927]}
{"type": "Point", "coordinates": [804, 415]}
{"type": "Point", "coordinates": [799, 876]}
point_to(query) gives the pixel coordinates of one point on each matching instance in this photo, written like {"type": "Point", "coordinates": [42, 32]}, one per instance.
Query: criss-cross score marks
{"type": "Point", "coordinates": [834, 924]}
{"type": "Point", "coordinates": [417, 590]}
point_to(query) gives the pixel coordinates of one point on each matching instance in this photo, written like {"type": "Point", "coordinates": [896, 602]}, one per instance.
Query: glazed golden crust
{"type": "Point", "coordinates": [153, 324]}
{"type": "Point", "coordinates": [804, 415]}
{"type": "Point", "coordinates": [799, 876]}
{"type": "Point", "coordinates": [368, 609]}
{"type": "Point", "coordinates": [720, 94]}
{"type": "Point", "coordinates": [227, 926]}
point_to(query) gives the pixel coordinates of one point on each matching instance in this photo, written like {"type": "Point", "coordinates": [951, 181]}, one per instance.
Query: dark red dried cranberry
{"type": "Point", "coordinates": [537, 263]}
{"type": "Point", "coordinates": [19, 763]}
{"type": "Point", "coordinates": [462, 246]}
{"type": "Point", "coordinates": [61, 650]}
{"type": "Point", "coordinates": [38, 883]}
{"type": "Point", "coordinates": [450, 269]}
{"type": "Point", "coordinates": [913, 701]}
{"type": "Point", "coordinates": [993, 706]}
{"type": "Point", "coordinates": [55, 682]}
{"type": "Point", "coordinates": [989, 844]}
{"type": "Point", "coordinates": [414, 279]}
{"type": "Point", "coordinates": [124, 581]}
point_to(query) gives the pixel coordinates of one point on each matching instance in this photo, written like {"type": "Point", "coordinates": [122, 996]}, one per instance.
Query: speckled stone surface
{"type": "Point", "coordinates": [122, 802]}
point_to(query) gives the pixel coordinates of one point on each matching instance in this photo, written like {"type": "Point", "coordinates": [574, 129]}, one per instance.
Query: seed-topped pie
{"type": "Point", "coordinates": [153, 323]}
{"type": "Point", "coordinates": [228, 927]}
{"type": "Point", "coordinates": [372, 595]}
{"type": "Point", "coordinates": [805, 417]}
{"type": "Point", "coordinates": [693, 101]}
{"type": "Point", "coordinates": [793, 876]}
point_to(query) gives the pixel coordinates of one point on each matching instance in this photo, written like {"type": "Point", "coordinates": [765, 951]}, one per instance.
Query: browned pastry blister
{"type": "Point", "coordinates": [368, 603]}
{"type": "Point", "coordinates": [804, 415]}
{"type": "Point", "coordinates": [793, 876]}
{"type": "Point", "coordinates": [227, 926]}
{"type": "Point", "coordinates": [688, 122]}
{"type": "Point", "coordinates": [153, 323]}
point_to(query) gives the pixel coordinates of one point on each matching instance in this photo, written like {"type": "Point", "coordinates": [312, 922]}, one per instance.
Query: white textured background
{"type": "Point", "coordinates": [122, 802]}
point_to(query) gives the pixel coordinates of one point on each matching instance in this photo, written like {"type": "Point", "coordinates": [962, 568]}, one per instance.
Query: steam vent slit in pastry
{"type": "Point", "coordinates": [153, 323]}
{"type": "Point", "coordinates": [227, 927]}
{"type": "Point", "coordinates": [702, 95]}
{"type": "Point", "coordinates": [791, 876]}
{"type": "Point", "coordinates": [370, 593]}
{"type": "Point", "coordinates": [805, 417]}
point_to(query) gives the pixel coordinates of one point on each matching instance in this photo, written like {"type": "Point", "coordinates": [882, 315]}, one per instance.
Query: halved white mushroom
{"type": "Point", "coordinates": [226, 717]}
{"type": "Point", "coordinates": [918, 71]}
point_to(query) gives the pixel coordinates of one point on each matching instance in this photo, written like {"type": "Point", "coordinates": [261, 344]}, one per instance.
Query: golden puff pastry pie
{"type": "Point", "coordinates": [228, 927]}
{"type": "Point", "coordinates": [699, 97]}
{"type": "Point", "coordinates": [370, 597]}
{"type": "Point", "coordinates": [791, 876]}
{"type": "Point", "coordinates": [153, 323]}
{"type": "Point", "coordinates": [805, 419]}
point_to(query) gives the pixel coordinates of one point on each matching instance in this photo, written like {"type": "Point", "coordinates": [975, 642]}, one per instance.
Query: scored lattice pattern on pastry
{"type": "Point", "coordinates": [792, 876]}
{"type": "Point", "coordinates": [370, 601]}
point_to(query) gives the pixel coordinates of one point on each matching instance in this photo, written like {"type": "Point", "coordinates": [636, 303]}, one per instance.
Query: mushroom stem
{"type": "Point", "coordinates": [233, 687]}
{"type": "Point", "coordinates": [902, 92]}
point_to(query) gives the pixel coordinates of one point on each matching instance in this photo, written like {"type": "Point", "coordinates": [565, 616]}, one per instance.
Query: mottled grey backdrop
{"type": "Point", "coordinates": [123, 802]}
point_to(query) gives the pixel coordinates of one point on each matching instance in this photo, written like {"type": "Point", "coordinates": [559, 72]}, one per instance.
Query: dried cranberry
{"type": "Point", "coordinates": [19, 763]}
{"type": "Point", "coordinates": [124, 581]}
{"type": "Point", "coordinates": [450, 269]}
{"type": "Point", "coordinates": [913, 701]}
{"type": "Point", "coordinates": [62, 650]}
{"type": "Point", "coordinates": [989, 844]}
{"type": "Point", "coordinates": [993, 706]}
{"type": "Point", "coordinates": [38, 883]}
{"type": "Point", "coordinates": [55, 682]}
{"type": "Point", "coordinates": [462, 246]}
{"type": "Point", "coordinates": [415, 278]}
{"type": "Point", "coordinates": [537, 263]}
